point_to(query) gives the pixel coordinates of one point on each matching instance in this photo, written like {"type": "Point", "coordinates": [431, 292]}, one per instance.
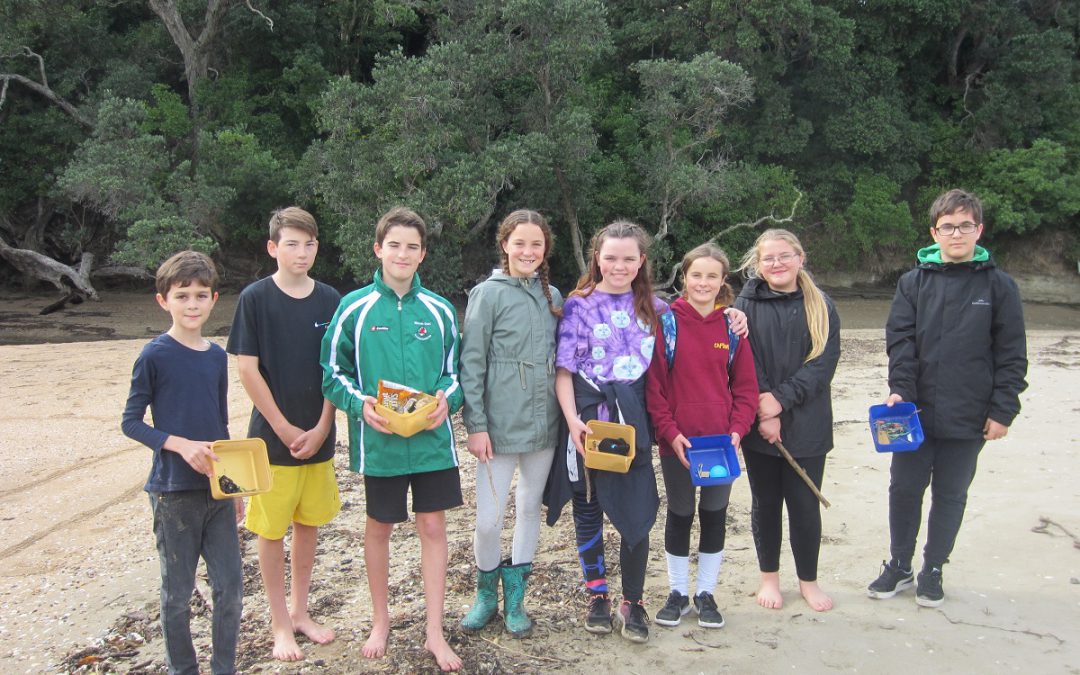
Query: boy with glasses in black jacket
{"type": "Point", "coordinates": [957, 349]}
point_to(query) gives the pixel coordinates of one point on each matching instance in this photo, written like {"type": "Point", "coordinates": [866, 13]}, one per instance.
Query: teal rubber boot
{"type": "Point", "coordinates": [487, 601]}
{"type": "Point", "coordinates": [515, 578]}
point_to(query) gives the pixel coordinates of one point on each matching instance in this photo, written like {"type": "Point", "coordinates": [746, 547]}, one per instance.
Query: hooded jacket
{"type": "Point", "coordinates": [780, 341]}
{"type": "Point", "coordinates": [412, 340]}
{"type": "Point", "coordinates": [508, 364]}
{"type": "Point", "coordinates": [956, 344]}
{"type": "Point", "coordinates": [699, 395]}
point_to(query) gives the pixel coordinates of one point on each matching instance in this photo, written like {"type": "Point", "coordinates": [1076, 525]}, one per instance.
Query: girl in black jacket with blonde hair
{"type": "Point", "coordinates": [795, 339]}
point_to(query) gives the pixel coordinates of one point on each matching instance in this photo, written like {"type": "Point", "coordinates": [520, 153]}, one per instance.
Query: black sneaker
{"type": "Point", "coordinates": [892, 581]}
{"type": "Point", "coordinates": [598, 620]}
{"type": "Point", "coordinates": [633, 619]}
{"type": "Point", "coordinates": [708, 616]}
{"type": "Point", "coordinates": [929, 592]}
{"type": "Point", "coordinates": [676, 607]}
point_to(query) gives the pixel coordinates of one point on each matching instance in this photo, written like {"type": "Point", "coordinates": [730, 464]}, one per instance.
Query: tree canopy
{"type": "Point", "coordinates": [131, 129]}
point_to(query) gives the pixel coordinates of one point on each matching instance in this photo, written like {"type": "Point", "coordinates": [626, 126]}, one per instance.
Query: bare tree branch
{"type": "Point", "coordinates": [268, 20]}
{"type": "Point", "coordinates": [42, 88]}
{"type": "Point", "coordinates": [47, 93]}
{"type": "Point", "coordinates": [771, 218]}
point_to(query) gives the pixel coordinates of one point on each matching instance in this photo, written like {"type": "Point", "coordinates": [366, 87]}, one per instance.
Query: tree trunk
{"type": "Point", "coordinates": [194, 51]}
{"type": "Point", "coordinates": [566, 198]}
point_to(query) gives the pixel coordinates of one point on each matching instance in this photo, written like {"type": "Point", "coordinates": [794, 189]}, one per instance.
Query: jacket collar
{"type": "Point", "coordinates": [930, 258]}
{"type": "Point", "coordinates": [757, 288]}
{"type": "Point", "coordinates": [381, 286]}
{"type": "Point", "coordinates": [684, 310]}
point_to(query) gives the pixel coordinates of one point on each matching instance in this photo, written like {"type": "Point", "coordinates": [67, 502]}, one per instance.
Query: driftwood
{"type": "Point", "coordinates": [40, 266]}
{"type": "Point", "coordinates": [74, 283]}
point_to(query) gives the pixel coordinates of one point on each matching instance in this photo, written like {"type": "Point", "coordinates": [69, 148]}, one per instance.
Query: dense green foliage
{"type": "Point", "coordinates": [691, 118]}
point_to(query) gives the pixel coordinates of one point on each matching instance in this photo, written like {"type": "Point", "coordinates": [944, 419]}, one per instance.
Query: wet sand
{"type": "Point", "coordinates": [80, 569]}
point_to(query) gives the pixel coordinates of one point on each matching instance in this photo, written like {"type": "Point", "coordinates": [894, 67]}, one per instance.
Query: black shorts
{"type": "Point", "coordinates": [431, 491]}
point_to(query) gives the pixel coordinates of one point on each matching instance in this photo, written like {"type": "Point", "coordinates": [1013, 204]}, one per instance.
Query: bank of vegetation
{"type": "Point", "coordinates": [131, 128]}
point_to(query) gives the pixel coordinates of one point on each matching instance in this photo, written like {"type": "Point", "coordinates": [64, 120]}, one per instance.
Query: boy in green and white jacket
{"type": "Point", "coordinates": [396, 330]}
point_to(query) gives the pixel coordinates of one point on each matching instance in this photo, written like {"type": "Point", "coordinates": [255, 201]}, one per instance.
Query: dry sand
{"type": "Point", "coordinates": [80, 569]}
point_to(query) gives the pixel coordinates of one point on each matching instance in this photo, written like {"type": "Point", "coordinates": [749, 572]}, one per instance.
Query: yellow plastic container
{"type": "Point", "coordinates": [608, 461]}
{"type": "Point", "coordinates": [410, 423]}
{"type": "Point", "coordinates": [244, 462]}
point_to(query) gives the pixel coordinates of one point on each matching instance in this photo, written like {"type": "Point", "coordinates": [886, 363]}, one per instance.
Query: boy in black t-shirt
{"type": "Point", "coordinates": [276, 337]}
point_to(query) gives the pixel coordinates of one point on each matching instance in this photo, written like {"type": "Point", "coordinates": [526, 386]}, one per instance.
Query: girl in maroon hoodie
{"type": "Point", "coordinates": [702, 393]}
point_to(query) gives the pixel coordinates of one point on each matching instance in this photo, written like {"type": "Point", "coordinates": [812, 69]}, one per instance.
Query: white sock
{"type": "Point", "coordinates": [678, 572]}
{"type": "Point", "coordinates": [708, 569]}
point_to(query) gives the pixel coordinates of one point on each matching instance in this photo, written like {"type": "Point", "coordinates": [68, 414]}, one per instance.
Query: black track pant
{"type": "Point", "coordinates": [947, 466]}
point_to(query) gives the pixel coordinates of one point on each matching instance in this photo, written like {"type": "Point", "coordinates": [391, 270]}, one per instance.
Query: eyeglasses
{"type": "Point", "coordinates": [783, 259]}
{"type": "Point", "coordinates": [948, 229]}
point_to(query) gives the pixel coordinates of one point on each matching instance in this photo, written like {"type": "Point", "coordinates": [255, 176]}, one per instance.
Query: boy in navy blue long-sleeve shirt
{"type": "Point", "coordinates": [183, 378]}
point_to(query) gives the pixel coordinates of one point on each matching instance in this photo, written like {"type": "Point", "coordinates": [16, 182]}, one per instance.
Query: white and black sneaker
{"type": "Point", "coordinates": [708, 615]}
{"type": "Point", "coordinates": [892, 581]}
{"type": "Point", "coordinates": [929, 592]}
{"type": "Point", "coordinates": [676, 607]}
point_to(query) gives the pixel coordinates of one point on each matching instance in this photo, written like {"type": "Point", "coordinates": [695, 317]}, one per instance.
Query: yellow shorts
{"type": "Point", "coordinates": [306, 494]}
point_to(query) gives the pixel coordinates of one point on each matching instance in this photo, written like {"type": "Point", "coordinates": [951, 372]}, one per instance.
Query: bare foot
{"type": "Point", "coordinates": [285, 647]}
{"type": "Point", "coordinates": [448, 661]}
{"type": "Point", "coordinates": [315, 632]}
{"type": "Point", "coordinates": [375, 647]}
{"type": "Point", "coordinates": [814, 596]}
{"type": "Point", "coordinates": [768, 595]}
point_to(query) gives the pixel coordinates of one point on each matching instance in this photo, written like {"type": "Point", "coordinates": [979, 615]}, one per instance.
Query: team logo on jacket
{"type": "Point", "coordinates": [423, 330]}
{"type": "Point", "coordinates": [981, 302]}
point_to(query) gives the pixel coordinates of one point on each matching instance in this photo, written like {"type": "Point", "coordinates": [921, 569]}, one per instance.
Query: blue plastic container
{"type": "Point", "coordinates": [705, 452]}
{"type": "Point", "coordinates": [903, 413]}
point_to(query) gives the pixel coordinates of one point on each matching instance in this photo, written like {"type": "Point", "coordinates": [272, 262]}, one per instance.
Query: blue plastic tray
{"type": "Point", "coordinates": [708, 451]}
{"type": "Point", "coordinates": [900, 413]}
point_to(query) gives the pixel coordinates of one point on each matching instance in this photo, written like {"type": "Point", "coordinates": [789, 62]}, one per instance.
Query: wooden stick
{"type": "Point", "coordinates": [802, 474]}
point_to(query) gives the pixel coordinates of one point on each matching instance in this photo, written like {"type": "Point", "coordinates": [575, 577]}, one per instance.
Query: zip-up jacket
{"type": "Point", "coordinates": [956, 344]}
{"type": "Point", "coordinates": [412, 340]}
{"type": "Point", "coordinates": [781, 340]}
{"type": "Point", "coordinates": [699, 395]}
{"type": "Point", "coordinates": [508, 364]}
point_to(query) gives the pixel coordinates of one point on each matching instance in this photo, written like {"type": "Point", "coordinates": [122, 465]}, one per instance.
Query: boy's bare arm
{"type": "Point", "coordinates": [309, 442]}
{"type": "Point", "coordinates": [263, 400]}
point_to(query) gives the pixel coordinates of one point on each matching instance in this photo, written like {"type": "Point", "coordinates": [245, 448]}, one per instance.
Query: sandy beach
{"type": "Point", "coordinates": [80, 570]}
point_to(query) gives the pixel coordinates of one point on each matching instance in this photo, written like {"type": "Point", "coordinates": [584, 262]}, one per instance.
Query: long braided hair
{"type": "Point", "coordinates": [543, 272]}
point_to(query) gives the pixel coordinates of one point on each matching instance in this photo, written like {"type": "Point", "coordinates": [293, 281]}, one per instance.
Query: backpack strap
{"type": "Point", "coordinates": [671, 334]}
{"type": "Point", "coordinates": [733, 343]}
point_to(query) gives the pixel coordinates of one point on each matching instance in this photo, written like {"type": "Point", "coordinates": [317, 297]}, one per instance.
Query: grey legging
{"type": "Point", "coordinates": [533, 470]}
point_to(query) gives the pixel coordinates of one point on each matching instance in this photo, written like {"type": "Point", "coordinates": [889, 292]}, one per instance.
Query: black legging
{"type": "Point", "coordinates": [772, 483]}
{"type": "Point", "coordinates": [589, 527]}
